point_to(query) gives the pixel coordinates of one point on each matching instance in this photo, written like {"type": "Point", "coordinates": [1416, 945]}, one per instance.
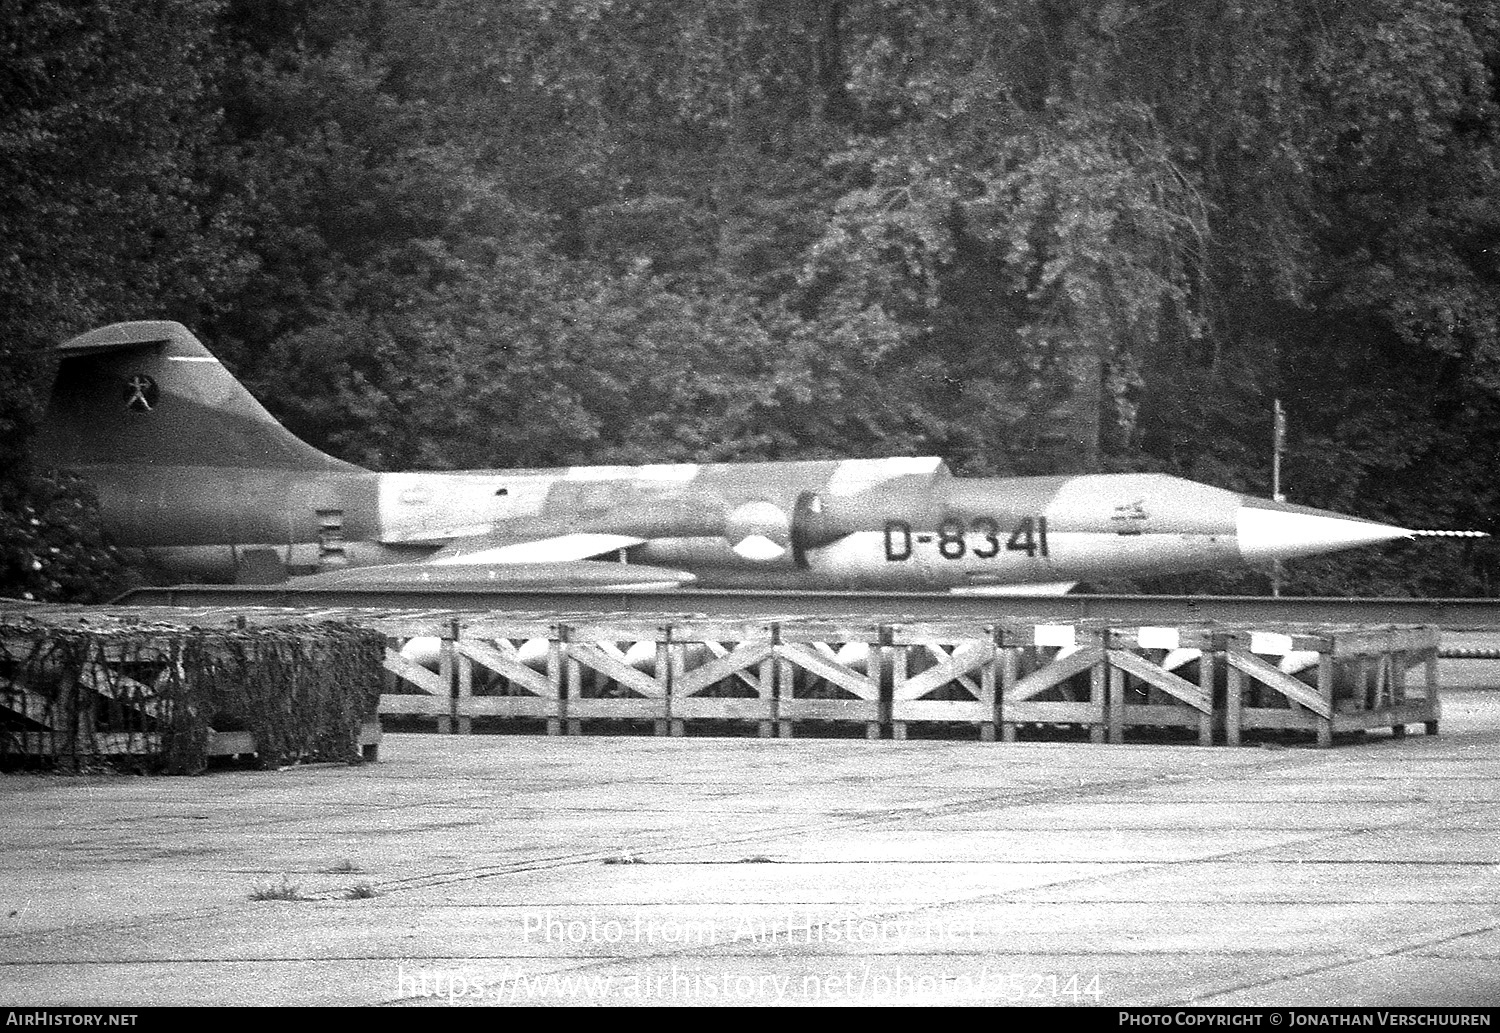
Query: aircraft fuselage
{"type": "Point", "coordinates": [915, 530]}
{"type": "Point", "coordinates": [194, 473]}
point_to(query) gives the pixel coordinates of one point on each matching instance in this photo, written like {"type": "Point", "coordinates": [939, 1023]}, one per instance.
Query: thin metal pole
{"type": "Point", "coordinates": [1278, 444]}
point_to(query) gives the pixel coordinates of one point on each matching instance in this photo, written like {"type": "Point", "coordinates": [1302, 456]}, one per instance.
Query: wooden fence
{"type": "Point", "coordinates": [1205, 682]}
{"type": "Point", "coordinates": [1209, 681]}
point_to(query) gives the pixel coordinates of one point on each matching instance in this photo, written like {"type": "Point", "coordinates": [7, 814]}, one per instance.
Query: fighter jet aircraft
{"type": "Point", "coordinates": [194, 474]}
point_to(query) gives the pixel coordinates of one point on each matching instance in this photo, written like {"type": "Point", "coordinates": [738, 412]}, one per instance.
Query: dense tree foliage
{"type": "Point", "coordinates": [108, 171]}
{"type": "Point", "coordinates": [1026, 235]}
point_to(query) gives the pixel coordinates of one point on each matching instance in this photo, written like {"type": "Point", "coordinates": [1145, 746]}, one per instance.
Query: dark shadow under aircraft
{"type": "Point", "coordinates": [195, 476]}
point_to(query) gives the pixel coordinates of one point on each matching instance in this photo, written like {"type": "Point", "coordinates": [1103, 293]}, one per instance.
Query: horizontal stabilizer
{"type": "Point", "coordinates": [119, 336]}
{"type": "Point", "coordinates": [148, 396]}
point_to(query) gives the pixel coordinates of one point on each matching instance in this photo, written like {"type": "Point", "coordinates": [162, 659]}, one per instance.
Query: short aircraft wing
{"type": "Point", "coordinates": [561, 548]}
{"type": "Point", "coordinates": [579, 560]}
{"type": "Point", "coordinates": [1024, 588]}
{"type": "Point", "coordinates": [588, 574]}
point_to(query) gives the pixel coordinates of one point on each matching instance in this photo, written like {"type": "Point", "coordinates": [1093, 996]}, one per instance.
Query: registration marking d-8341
{"type": "Point", "coordinates": [1028, 535]}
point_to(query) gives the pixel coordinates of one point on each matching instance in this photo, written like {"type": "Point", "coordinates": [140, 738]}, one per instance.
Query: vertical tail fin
{"type": "Point", "coordinates": [151, 393]}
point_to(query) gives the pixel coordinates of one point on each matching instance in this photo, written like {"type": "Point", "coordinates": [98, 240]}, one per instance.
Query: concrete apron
{"type": "Point", "coordinates": [501, 870]}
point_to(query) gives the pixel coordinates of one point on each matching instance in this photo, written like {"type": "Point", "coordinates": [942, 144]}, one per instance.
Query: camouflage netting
{"type": "Point", "coordinates": [150, 696]}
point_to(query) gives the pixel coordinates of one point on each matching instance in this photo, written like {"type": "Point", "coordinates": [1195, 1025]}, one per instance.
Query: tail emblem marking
{"type": "Point", "coordinates": [140, 393]}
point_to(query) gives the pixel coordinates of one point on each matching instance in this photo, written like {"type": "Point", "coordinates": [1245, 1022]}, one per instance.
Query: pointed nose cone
{"type": "Point", "coordinates": [1281, 531]}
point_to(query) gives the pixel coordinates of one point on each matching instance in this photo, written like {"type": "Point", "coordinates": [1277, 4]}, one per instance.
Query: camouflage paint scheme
{"type": "Point", "coordinates": [192, 471]}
